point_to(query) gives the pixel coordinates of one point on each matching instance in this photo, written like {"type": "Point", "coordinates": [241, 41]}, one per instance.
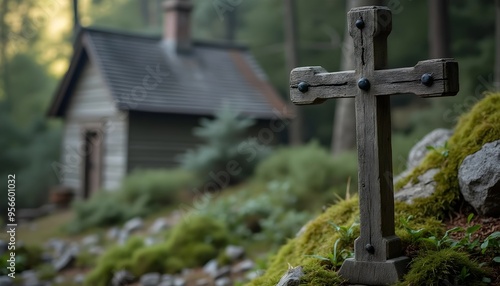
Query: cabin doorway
{"type": "Point", "coordinates": [92, 162]}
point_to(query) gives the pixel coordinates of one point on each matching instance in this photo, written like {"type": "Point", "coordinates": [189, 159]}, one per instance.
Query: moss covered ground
{"type": "Point", "coordinates": [479, 126]}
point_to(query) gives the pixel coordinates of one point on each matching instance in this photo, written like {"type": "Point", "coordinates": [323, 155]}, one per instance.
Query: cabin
{"type": "Point", "coordinates": [130, 101]}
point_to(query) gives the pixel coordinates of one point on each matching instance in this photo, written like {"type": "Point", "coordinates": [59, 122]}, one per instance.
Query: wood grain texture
{"type": "Point", "coordinates": [378, 251]}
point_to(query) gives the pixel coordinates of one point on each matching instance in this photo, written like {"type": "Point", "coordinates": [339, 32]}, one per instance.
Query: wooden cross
{"type": "Point", "coordinates": [378, 256]}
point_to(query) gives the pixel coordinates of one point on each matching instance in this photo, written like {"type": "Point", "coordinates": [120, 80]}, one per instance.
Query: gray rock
{"type": "Point", "coordinates": [57, 246]}
{"type": "Point", "coordinates": [223, 271]}
{"type": "Point", "coordinates": [179, 281]}
{"type": "Point", "coordinates": [90, 240]}
{"type": "Point", "coordinates": [167, 277]}
{"type": "Point", "coordinates": [133, 225]}
{"type": "Point", "coordinates": [79, 279]}
{"type": "Point", "coordinates": [148, 241]}
{"type": "Point", "coordinates": [234, 252]}
{"type": "Point", "coordinates": [436, 138]}
{"type": "Point", "coordinates": [167, 280]}
{"type": "Point", "coordinates": [243, 266]}
{"type": "Point", "coordinates": [122, 277]}
{"type": "Point", "coordinates": [59, 280]}
{"type": "Point", "coordinates": [425, 187]}
{"type": "Point", "coordinates": [67, 259]}
{"type": "Point", "coordinates": [150, 279]}
{"type": "Point", "coordinates": [224, 281]}
{"type": "Point", "coordinates": [6, 281]}
{"type": "Point", "coordinates": [292, 277]}
{"type": "Point", "coordinates": [479, 179]}
{"type": "Point", "coordinates": [123, 237]}
{"type": "Point", "coordinates": [96, 250]}
{"type": "Point", "coordinates": [30, 278]}
{"type": "Point", "coordinates": [203, 282]}
{"type": "Point", "coordinates": [158, 225]}
{"type": "Point", "coordinates": [113, 233]}
{"type": "Point", "coordinates": [254, 274]}
{"type": "Point", "coordinates": [211, 268]}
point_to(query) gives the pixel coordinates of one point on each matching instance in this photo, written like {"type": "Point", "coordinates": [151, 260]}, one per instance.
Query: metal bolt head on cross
{"type": "Point", "coordinates": [378, 256]}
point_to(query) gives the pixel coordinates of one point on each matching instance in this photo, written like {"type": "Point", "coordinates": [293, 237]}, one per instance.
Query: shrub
{"type": "Point", "coordinates": [158, 188]}
{"type": "Point", "coordinates": [191, 243]}
{"type": "Point", "coordinates": [225, 144]}
{"type": "Point", "coordinates": [444, 267]}
{"type": "Point", "coordinates": [310, 170]}
{"type": "Point", "coordinates": [142, 193]}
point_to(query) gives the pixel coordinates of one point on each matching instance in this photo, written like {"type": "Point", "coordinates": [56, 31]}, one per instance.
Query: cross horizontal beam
{"type": "Point", "coordinates": [322, 85]}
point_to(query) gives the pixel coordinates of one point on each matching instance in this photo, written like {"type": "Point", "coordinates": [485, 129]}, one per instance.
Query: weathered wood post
{"type": "Point", "coordinates": [378, 256]}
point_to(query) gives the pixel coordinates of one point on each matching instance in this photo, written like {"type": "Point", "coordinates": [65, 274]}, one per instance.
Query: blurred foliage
{"type": "Point", "coordinates": [142, 193]}
{"type": "Point", "coordinates": [228, 156]}
{"type": "Point", "coordinates": [311, 172]}
{"type": "Point", "coordinates": [191, 243]}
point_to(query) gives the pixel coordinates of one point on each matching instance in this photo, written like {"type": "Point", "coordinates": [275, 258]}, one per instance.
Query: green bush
{"type": "Point", "coordinates": [142, 193]}
{"type": "Point", "coordinates": [226, 150]}
{"type": "Point", "coordinates": [259, 213]}
{"type": "Point", "coordinates": [157, 188]}
{"type": "Point", "coordinates": [311, 171]}
{"type": "Point", "coordinates": [191, 243]}
{"type": "Point", "coordinates": [444, 267]}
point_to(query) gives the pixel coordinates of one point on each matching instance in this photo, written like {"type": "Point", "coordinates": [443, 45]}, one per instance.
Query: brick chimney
{"type": "Point", "coordinates": [177, 24]}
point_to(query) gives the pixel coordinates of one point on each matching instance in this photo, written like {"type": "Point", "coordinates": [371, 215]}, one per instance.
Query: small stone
{"type": "Point", "coordinates": [57, 246]}
{"type": "Point", "coordinates": [203, 282]}
{"type": "Point", "coordinates": [30, 278]}
{"type": "Point", "coordinates": [292, 277]}
{"type": "Point", "coordinates": [167, 277]}
{"type": "Point", "coordinates": [6, 281]}
{"type": "Point", "coordinates": [211, 267]}
{"type": "Point", "coordinates": [122, 277]}
{"type": "Point", "coordinates": [59, 280]}
{"type": "Point", "coordinates": [234, 252]}
{"type": "Point", "coordinates": [90, 240]}
{"type": "Point", "coordinates": [96, 250]}
{"type": "Point", "coordinates": [243, 266]}
{"type": "Point", "coordinates": [150, 279]}
{"type": "Point", "coordinates": [425, 187]}
{"type": "Point", "coordinates": [479, 179]}
{"type": "Point", "coordinates": [67, 259]}
{"type": "Point", "coordinates": [158, 225]}
{"type": "Point", "coordinates": [254, 274]}
{"type": "Point", "coordinates": [134, 224]}
{"type": "Point", "coordinates": [224, 281]}
{"type": "Point", "coordinates": [178, 281]}
{"type": "Point", "coordinates": [79, 279]}
{"type": "Point", "coordinates": [223, 271]}
{"type": "Point", "coordinates": [113, 233]}
{"type": "Point", "coordinates": [148, 241]}
{"type": "Point", "coordinates": [166, 283]}
{"type": "Point", "coordinates": [123, 237]}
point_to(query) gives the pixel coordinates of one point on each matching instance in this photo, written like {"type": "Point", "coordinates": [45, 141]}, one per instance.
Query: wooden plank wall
{"type": "Point", "coordinates": [91, 103]}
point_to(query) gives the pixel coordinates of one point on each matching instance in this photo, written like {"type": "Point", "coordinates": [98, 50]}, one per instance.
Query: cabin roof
{"type": "Point", "coordinates": [143, 74]}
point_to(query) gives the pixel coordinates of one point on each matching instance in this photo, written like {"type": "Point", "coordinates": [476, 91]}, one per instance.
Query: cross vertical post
{"type": "Point", "coordinates": [378, 256]}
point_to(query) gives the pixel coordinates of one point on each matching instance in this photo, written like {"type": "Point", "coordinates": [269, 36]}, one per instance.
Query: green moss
{"type": "Point", "coordinates": [444, 267]}
{"type": "Point", "coordinates": [474, 129]}
{"type": "Point", "coordinates": [191, 243]}
{"type": "Point", "coordinates": [318, 239]}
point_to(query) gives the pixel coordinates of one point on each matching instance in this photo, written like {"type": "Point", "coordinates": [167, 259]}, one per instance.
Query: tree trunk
{"type": "Point", "coordinates": [4, 41]}
{"type": "Point", "coordinates": [439, 29]}
{"type": "Point", "coordinates": [344, 122]}
{"type": "Point", "coordinates": [497, 47]}
{"type": "Point", "coordinates": [292, 61]}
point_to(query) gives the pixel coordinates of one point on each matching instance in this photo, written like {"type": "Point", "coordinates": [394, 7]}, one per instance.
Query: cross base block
{"type": "Point", "coordinates": [374, 272]}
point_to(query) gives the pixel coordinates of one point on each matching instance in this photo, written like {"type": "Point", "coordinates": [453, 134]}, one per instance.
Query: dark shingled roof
{"type": "Point", "coordinates": [144, 75]}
